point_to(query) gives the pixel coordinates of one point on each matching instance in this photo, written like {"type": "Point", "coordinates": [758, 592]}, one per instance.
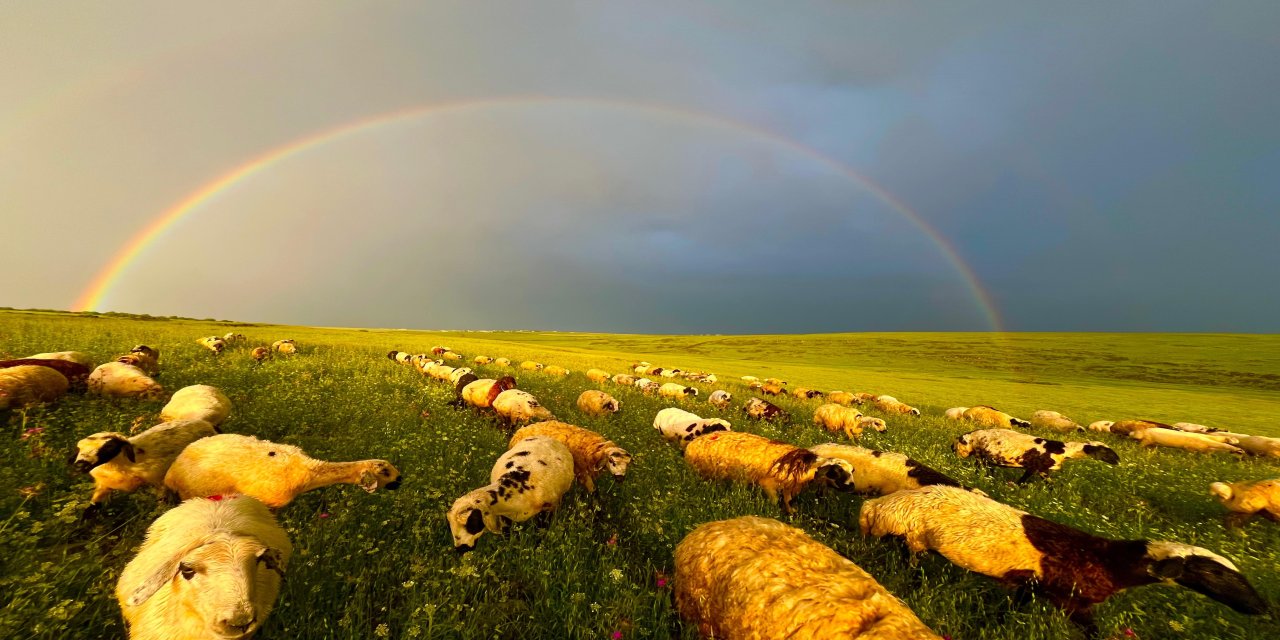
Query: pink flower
{"type": "Point", "coordinates": [613, 540]}
{"type": "Point", "coordinates": [217, 498]}
{"type": "Point", "coordinates": [616, 635]}
{"type": "Point", "coordinates": [324, 515]}
{"type": "Point", "coordinates": [662, 582]}
{"type": "Point", "coordinates": [1128, 633]}
{"type": "Point", "coordinates": [33, 431]}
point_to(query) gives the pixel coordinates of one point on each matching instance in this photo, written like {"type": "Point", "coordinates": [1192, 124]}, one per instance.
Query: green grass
{"type": "Point", "coordinates": [368, 565]}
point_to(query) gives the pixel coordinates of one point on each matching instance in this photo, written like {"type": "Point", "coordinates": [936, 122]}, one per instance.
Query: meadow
{"type": "Point", "coordinates": [382, 565]}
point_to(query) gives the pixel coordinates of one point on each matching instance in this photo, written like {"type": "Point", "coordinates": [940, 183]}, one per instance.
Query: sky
{"type": "Point", "coordinates": [649, 167]}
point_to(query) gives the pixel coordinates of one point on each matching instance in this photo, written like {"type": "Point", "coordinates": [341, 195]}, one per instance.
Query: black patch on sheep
{"type": "Point", "coordinates": [493, 497]}
{"type": "Point", "coordinates": [1211, 578]}
{"type": "Point", "coordinates": [1055, 446]}
{"type": "Point", "coordinates": [511, 463]}
{"type": "Point", "coordinates": [878, 453]}
{"type": "Point", "coordinates": [925, 476]}
{"type": "Point", "coordinates": [521, 453]}
{"type": "Point", "coordinates": [1103, 453]}
{"type": "Point", "coordinates": [271, 454]}
{"type": "Point", "coordinates": [112, 448]}
{"type": "Point", "coordinates": [475, 522]}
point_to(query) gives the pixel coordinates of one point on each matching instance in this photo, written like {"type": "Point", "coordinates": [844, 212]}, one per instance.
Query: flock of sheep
{"type": "Point", "coordinates": [754, 577]}
{"type": "Point", "coordinates": [211, 567]}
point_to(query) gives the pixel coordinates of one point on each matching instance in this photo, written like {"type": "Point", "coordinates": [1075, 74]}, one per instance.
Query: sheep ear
{"type": "Point", "coordinates": [127, 447]}
{"type": "Point", "coordinates": [273, 559]}
{"type": "Point", "coordinates": [152, 584]}
{"type": "Point", "coordinates": [368, 482]}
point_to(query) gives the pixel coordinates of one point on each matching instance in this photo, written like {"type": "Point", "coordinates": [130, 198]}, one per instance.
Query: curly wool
{"type": "Point", "coordinates": [883, 472]}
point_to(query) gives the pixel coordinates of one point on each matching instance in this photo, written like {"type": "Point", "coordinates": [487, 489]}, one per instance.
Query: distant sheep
{"type": "Point", "coordinates": [1127, 427]}
{"type": "Point", "coordinates": [681, 427]}
{"type": "Point", "coordinates": [284, 346]}
{"type": "Point", "coordinates": [994, 419]}
{"type": "Point", "coordinates": [399, 357]}
{"type": "Point", "coordinates": [198, 402]}
{"type": "Point", "coordinates": [677, 390]}
{"type": "Point", "coordinates": [1054, 421]}
{"type": "Point", "coordinates": [555, 370]}
{"type": "Point", "coordinates": [841, 419]}
{"type": "Point", "coordinates": [119, 380]}
{"type": "Point", "coordinates": [598, 375]}
{"type": "Point", "coordinates": [501, 362]}
{"type": "Point", "coordinates": [1244, 500]}
{"type": "Point", "coordinates": [529, 479]}
{"type": "Point", "coordinates": [775, 381]}
{"type": "Point", "coordinates": [750, 379]}
{"type": "Point", "coordinates": [261, 353]}
{"type": "Point", "coordinates": [670, 373]}
{"type": "Point", "coordinates": [598, 403]}
{"type": "Point", "coordinates": [647, 386]}
{"type": "Point", "coordinates": [624, 380]}
{"type": "Point", "coordinates": [1256, 445]}
{"type": "Point", "coordinates": [233, 338]}
{"type": "Point", "coordinates": [592, 452]}
{"type": "Point", "coordinates": [1191, 427]}
{"type": "Point", "coordinates": [805, 393]}
{"type": "Point", "coordinates": [122, 463]}
{"type": "Point", "coordinates": [753, 577]}
{"type": "Point", "coordinates": [145, 358]}
{"type": "Point", "coordinates": [482, 392]}
{"type": "Point", "coordinates": [772, 389]}
{"type": "Point", "coordinates": [720, 399]}
{"type": "Point", "coordinates": [1074, 569]}
{"type": "Point", "coordinates": [515, 407]}
{"type": "Point", "coordinates": [26, 385]}
{"type": "Point", "coordinates": [1101, 426]}
{"type": "Point", "coordinates": [231, 556]}
{"type": "Point", "coordinates": [440, 350]}
{"type": "Point", "coordinates": [1196, 442]}
{"type": "Point", "coordinates": [451, 356]}
{"type": "Point", "coordinates": [271, 472]}
{"type": "Point", "coordinates": [883, 472]}
{"type": "Point", "coordinates": [890, 404]}
{"type": "Point", "coordinates": [862, 397]}
{"type": "Point", "coordinates": [780, 469]}
{"type": "Point", "coordinates": [458, 374]}
{"type": "Point", "coordinates": [529, 365]}
{"type": "Point", "coordinates": [758, 409]}
{"type": "Point", "coordinates": [1039, 456]}
{"type": "Point", "coordinates": [482, 360]}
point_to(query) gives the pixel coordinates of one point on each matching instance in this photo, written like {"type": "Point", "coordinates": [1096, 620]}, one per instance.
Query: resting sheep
{"type": "Point", "coordinates": [1191, 427]}
{"type": "Point", "coordinates": [890, 404]}
{"type": "Point", "coordinates": [780, 469]}
{"type": "Point", "coordinates": [862, 397]}
{"type": "Point", "coordinates": [883, 472]}
{"type": "Point", "coordinates": [598, 403]}
{"type": "Point", "coordinates": [1244, 500]}
{"type": "Point", "coordinates": [753, 577]}
{"type": "Point", "coordinates": [516, 407]}
{"type": "Point", "coordinates": [120, 380]}
{"type": "Point", "coordinates": [598, 375]}
{"type": "Point", "coordinates": [681, 427]}
{"type": "Point", "coordinates": [197, 402]}
{"type": "Point", "coordinates": [1127, 427]}
{"type": "Point", "coordinates": [144, 357]}
{"type": "Point", "coordinates": [30, 384]}
{"type": "Point", "coordinates": [993, 419]}
{"type": "Point", "coordinates": [720, 399]}
{"type": "Point", "coordinates": [271, 472]}
{"type": "Point", "coordinates": [677, 390]}
{"type": "Point", "coordinates": [1039, 456]}
{"type": "Point", "coordinates": [77, 374]}
{"type": "Point", "coordinates": [121, 463]}
{"type": "Point", "coordinates": [624, 380]}
{"type": "Point", "coordinates": [66, 356]}
{"type": "Point", "coordinates": [531, 478]}
{"type": "Point", "coordinates": [758, 409]}
{"type": "Point", "coordinates": [592, 452]}
{"type": "Point", "coordinates": [212, 343]}
{"type": "Point", "coordinates": [1197, 442]}
{"type": "Point", "coordinates": [209, 568]}
{"type": "Point", "coordinates": [482, 392]}
{"type": "Point", "coordinates": [1054, 421]}
{"type": "Point", "coordinates": [1256, 445]}
{"type": "Point", "coordinates": [1074, 569]}
{"type": "Point", "coordinates": [839, 418]}
{"type": "Point", "coordinates": [233, 338]}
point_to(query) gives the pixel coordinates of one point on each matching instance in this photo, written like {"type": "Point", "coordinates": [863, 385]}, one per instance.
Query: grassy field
{"type": "Point", "coordinates": [382, 565]}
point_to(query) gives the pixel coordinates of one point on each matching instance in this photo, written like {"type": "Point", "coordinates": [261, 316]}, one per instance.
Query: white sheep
{"type": "Point", "coordinates": [883, 472]}
{"type": "Point", "coordinates": [198, 402]}
{"type": "Point", "coordinates": [1054, 421]}
{"type": "Point", "coordinates": [209, 568]}
{"type": "Point", "coordinates": [120, 380]}
{"type": "Point", "coordinates": [681, 427]}
{"type": "Point", "coordinates": [1196, 442]}
{"type": "Point", "coordinates": [720, 399]}
{"type": "Point", "coordinates": [1039, 456]}
{"type": "Point", "coordinates": [122, 463]}
{"type": "Point", "coordinates": [212, 343]}
{"type": "Point", "coordinates": [955, 413]}
{"type": "Point", "coordinates": [677, 390]}
{"type": "Point", "coordinates": [531, 478]}
{"type": "Point", "coordinates": [516, 406]}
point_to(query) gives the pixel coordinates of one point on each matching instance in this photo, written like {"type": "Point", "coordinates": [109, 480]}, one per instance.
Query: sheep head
{"type": "Point", "coordinates": [833, 472]}
{"type": "Point", "coordinates": [616, 459]}
{"type": "Point", "coordinates": [1098, 451]}
{"type": "Point", "coordinates": [471, 516]}
{"type": "Point", "coordinates": [1204, 572]}
{"type": "Point", "coordinates": [962, 447]}
{"type": "Point", "coordinates": [99, 449]}
{"type": "Point", "coordinates": [379, 474]}
{"type": "Point", "coordinates": [873, 423]}
{"type": "Point", "coordinates": [1221, 490]}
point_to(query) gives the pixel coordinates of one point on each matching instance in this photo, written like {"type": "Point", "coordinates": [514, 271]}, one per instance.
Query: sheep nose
{"type": "Point", "coordinates": [395, 484]}
{"type": "Point", "coordinates": [237, 624]}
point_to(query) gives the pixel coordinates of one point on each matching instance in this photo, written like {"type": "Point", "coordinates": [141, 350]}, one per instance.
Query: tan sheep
{"type": "Point", "coordinates": [677, 391]}
{"type": "Point", "coordinates": [529, 365]}
{"type": "Point", "coordinates": [1244, 500]}
{"type": "Point", "coordinates": [120, 380]}
{"type": "Point", "coordinates": [805, 393]}
{"type": "Point", "coordinates": [719, 399]}
{"type": "Point", "coordinates": [482, 360]}
{"type": "Point", "coordinates": [780, 469]}
{"type": "Point", "coordinates": [1127, 427]}
{"type": "Point", "coordinates": [883, 472]}
{"type": "Point", "coordinates": [121, 463]}
{"type": "Point", "coordinates": [890, 404]}
{"type": "Point", "coordinates": [198, 402]}
{"type": "Point", "coordinates": [1101, 426]}
{"type": "Point", "coordinates": [516, 407]}
{"type": "Point", "coordinates": [451, 356]}
{"type": "Point", "coordinates": [862, 397]}
{"type": "Point", "coordinates": [261, 353]}
{"type": "Point", "coordinates": [143, 357]}
{"type": "Point", "coordinates": [271, 472]}
{"type": "Point", "coordinates": [209, 568]}
{"type": "Point", "coordinates": [839, 418]}
{"type": "Point", "coordinates": [26, 385]}
{"type": "Point", "coordinates": [1054, 421]}
{"type": "Point", "coordinates": [776, 381]}
{"type": "Point", "coordinates": [772, 389]}
{"type": "Point", "coordinates": [991, 418]}
{"type": "Point", "coordinates": [212, 343]}
{"type": "Point", "coordinates": [598, 403]}
{"type": "Point", "coordinates": [624, 380]}
{"type": "Point", "coordinates": [233, 338]}
{"type": "Point", "coordinates": [592, 452]}
{"type": "Point", "coordinates": [753, 577]}
{"type": "Point", "coordinates": [598, 375]}
{"type": "Point", "coordinates": [481, 393]}
{"type": "Point", "coordinates": [555, 370]}
{"type": "Point", "coordinates": [1256, 445]}
{"type": "Point", "coordinates": [1196, 442]}
{"type": "Point", "coordinates": [68, 356]}
{"type": "Point", "coordinates": [955, 413]}
{"type": "Point", "coordinates": [843, 398]}
{"type": "Point", "coordinates": [284, 346]}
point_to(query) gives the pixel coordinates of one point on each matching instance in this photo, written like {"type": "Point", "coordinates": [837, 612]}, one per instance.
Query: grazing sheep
{"type": "Point", "coordinates": [1054, 421]}
{"type": "Point", "coordinates": [839, 418]}
{"type": "Point", "coordinates": [1039, 456]}
{"type": "Point", "coordinates": [501, 362]}
{"type": "Point", "coordinates": [993, 419]}
{"type": "Point", "coordinates": [780, 469]}
{"type": "Point", "coordinates": [755, 386]}
{"type": "Point", "coordinates": [1256, 445]}
{"type": "Point", "coordinates": [1191, 427]}
{"type": "Point", "coordinates": [720, 399]}
{"type": "Point", "coordinates": [144, 358]}
{"type": "Point", "coordinates": [271, 472]}
{"type": "Point", "coordinates": [529, 365]}
{"type": "Point", "coordinates": [890, 404]}
{"type": "Point", "coordinates": [458, 374]}
{"type": "Point", "coordinates": [647, 386]}
{"type": "Point", "coordinates": [592, 452]}
{"type": "Point", "coordinates": [531, 478]}
{"type": "Point", "coordinates": [77, 374]}
{"type": "Point", "coordinates": [482, 392]}
{"type": "Point", "coordinates": [1074, 569]}
{"type": "Point", "coordinates": [677, 390]}
{"type": "Point", "coordinates": [955, 413]}
{"type": "Point", "coordinates": [284, 346]}
{"type": "Point", "coordinates": [654, 371]}
{"type": "Point", "coordinates": [843, 398]}
{"type": "Point", "coordinates": [68, 356]}
{"type": "Point", "coordinates": [1197, 442]}
{"type": "Point", "coordinates": [555, 370]}
{"type": "Point", "coordinates": [1244, 500]}
{"type": "Point", "coordinates": [669, 373]}
{"type": "Point", "coordinates": [482, 360]}
{"type": "Point", "coordinates": [25, 385]}
{"type": "Point", "coordinates": [883, 472]}
{"type": "Point", "coordinates": [681, 427]}
{"type": "Point", "coordinates": [624, 380]}
{"type": "Point", "coordinates": [775, 381]}
{"type": "Point", "coordinates": [640, 369]}
{"type": "Point", "coordinates": [862, 397]}
{"type": "Point", "coordinates": [440, 350]}
{"type": "Point", "coordinates": [120, 380]}
{"type": "Point", "coordinates": [804, 393]}
{"type": "Point", "coordinates": [758, 409]}
{"type": "Point", "coordinates": [598, 403]}
{"type": "Point", "coordinates": [449, 355]}
{"type": "Point", "coordinates": [753, 577]}
{"type": "Point", "coordinates": [750, 379]}
{"type": "Point", "coordinates": [598, 375]}
{"type": "Point", "coordinates": [198, 402]}
{"type": "Point", "coordinates": [399, 357]}
{"type": "Point", "coordinates": [261, 353]}
{"type": "Point", "coordinates": [772, 389]}
{"type": "Point", "coordinates": [233, 338]}
{"type": "Point", "coordinates": [1127, 427]}
{"type": "Point", "coordinates": [516, 406]}
{"type": "Point", "coordinates": [147, 456]}
{"type": "Point", "coordinates": [209, 568]}
{"type": "Point", "coordinates": [1101, 426]}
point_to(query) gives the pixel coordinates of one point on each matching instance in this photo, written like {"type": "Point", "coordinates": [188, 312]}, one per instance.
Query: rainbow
{"type": "Point", "coordinates": [96, 292]}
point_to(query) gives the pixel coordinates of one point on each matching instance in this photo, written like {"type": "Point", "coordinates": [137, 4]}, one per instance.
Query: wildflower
{"type": "Point", "coordinates": [32, 490]}
{"type": "Point", "coordinates": [617, 575]}
{"type": "Point", "coordinates": [616, 635]}
{"type": "Point", "coordinates": [32, 432]}
{"type": "Point", "coordinates": [324, 514]}
{"type": "Point", "coordinates": [662, 582]}
{"type": "Point", "coordinates": [382, 630]}
{"type": "Point", "coordinates": [613, 540]}
{"type": "Point", "coordinates": [1128, 633]}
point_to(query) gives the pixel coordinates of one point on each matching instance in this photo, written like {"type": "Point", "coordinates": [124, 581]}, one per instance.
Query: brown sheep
{"type": "Point", "coordinates": [780, 469]}
{"type": "Point", "coordinates": [481, 393]}
{"type": "Point", "coordinates": [592, 452]}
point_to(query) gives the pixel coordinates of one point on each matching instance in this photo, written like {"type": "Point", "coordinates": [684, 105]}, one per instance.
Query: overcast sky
{"type": "Point", "coordinates": [1100, 166]}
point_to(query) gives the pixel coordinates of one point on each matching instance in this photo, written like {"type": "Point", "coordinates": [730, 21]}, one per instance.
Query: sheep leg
{"type": "Point", "coordinates": [1026, 477]}
{"type": "Point", "coordinates": [1236, 519]}
{"type": "Point", "coordinates": [1269, 515]}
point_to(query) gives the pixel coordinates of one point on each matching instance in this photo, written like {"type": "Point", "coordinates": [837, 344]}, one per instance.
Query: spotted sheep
{"type": "Point", "coordinates": [647, 387]}
{"type": "Point", "coordinates": [1039, 456]}
{"type": "Point", "coordinates": [677, 390]}
{"type": "Point", "coordinates": [481, 393]}
{"type": "Point", "coordinates": [883, 472]}
{"type": "Point", "coordinates": [682, 427]}
{"type": "Point", "coordinates": [529, 479]}
{"type": "Point", "coordinates": [1075, 570]}
{"type": "Point", "coordinates": [781, 470]}
{"type": "Point", "coordinates": [1244, 500]}
{"type": "Point", "coordinates": [592, 452]}
{"type": "Point", "coordinates": [758, 409]}
{"type": "Point", "coordinates": [720, 399]}
{"type": "Point", "coordinates": [555, 370]}
{"type": "Point", "coordinates": [753, 577]}
{"type": "Point", "coordinates": [516, 407]}
{"type": "Point", "coordinates": [624, 380]}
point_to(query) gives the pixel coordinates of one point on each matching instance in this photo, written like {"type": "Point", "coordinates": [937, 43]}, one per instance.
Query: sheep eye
{"type": "Point", "coordinates": [186, 571]}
